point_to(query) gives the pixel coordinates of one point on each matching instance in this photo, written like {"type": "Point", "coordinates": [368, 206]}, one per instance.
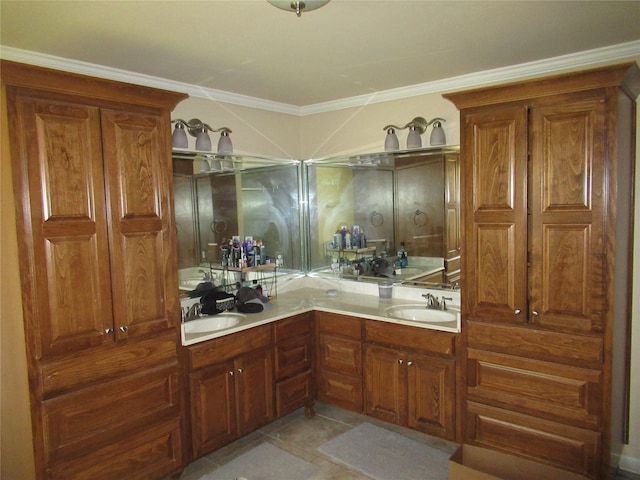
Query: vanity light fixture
{"type": "Point", "coordinates": [416, 127]}
{"type": "Point", "coordinates": [298, 6]}
{"type": "Point", "coordinates": [200, 130]}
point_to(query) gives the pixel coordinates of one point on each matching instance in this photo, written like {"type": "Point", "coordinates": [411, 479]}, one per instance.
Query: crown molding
{"type": "Point", "coordinates": [607, 55]}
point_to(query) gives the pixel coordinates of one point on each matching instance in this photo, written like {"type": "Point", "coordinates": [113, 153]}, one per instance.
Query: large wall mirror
{"type": "Point", "coordinates": [342, 216]}
{"type": "Point", "coordinates": [219, 197]}
{"type": "Point", "coordinates": [388, 206]}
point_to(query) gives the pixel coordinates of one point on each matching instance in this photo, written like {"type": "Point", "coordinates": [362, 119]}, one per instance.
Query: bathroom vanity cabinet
{"type": "Point", "coordinates": [547, 173]}
{"type": "Point", "coordinates": [410, 377]}
{"type": "Point", "coordinates": [230, 387]}
{"type": "Point", "coordinates": [91, 166]}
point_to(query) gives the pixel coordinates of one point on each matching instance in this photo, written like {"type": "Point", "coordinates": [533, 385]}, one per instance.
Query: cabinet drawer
{"type": "Point", "coordinates": [339, 354]}
{"type": "Point", "coordinates": [342, 325]}
{"type": "Point", "coordinates": [155, 451]}
{"type": "Point", "coordinates": [579, 350]}
{"type": "Point", "coordinates": [556, 444]}
{"type": "Point", "coordinates": [557, 392]}
{"type": "Point", "coordinates": [293, 393]}
{"type": "Point", "coordinates": [293, 356]}
{"type": "Point", "coordinates": [415, 338]}
{"type": "Point", "coordinates": [293, 327]}
{"type": "Point", "coordinates": [341, 390]}
{"type": "Point", "coordinates": [228, 347]}
{"type": "Point", "coordinates": [104, 363]}
{"type": "Point", "coordinates": [78, 422]}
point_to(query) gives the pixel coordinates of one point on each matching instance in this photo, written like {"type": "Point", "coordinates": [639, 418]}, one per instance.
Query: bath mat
{"type": "Point", "coordinates": [386, 455]}
{"type": "Point", "coordinates": [264, 462]}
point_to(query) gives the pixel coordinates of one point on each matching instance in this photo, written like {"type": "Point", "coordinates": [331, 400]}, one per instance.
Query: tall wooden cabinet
{"type": "Point", "coordinates": [92, 181]}
{"type": "Point", "coordinates": [547, 180]}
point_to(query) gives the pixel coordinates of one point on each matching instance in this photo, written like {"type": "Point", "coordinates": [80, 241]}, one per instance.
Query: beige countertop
{"type": "Point", "coordinates": [338, 296]}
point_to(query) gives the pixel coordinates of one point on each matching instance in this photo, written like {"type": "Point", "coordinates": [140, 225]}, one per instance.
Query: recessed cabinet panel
{"type": "Point", "coordinates": [569, 151]}
{"type": "Point", "coordinates": [494, 156]}
{"type": "Point", "coordinates": [494, 280]}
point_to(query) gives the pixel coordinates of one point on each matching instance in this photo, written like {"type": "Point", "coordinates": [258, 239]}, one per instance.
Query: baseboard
{"type": "Point", "coordinates": [629, 464]}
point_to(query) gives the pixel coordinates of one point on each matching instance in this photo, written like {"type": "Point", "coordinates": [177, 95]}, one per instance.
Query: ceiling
{"type": "Point", "coordinates": [344, 49]}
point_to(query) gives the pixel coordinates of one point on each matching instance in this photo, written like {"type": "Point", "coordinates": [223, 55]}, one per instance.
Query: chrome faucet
{"type": "Point", "coordinates": [194, 311]}
{"type": "Point", "coordinates": [434, 304]}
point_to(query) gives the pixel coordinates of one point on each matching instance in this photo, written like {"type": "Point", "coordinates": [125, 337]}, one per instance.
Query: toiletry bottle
{"type": "Point", "coordinates": [403, 258]}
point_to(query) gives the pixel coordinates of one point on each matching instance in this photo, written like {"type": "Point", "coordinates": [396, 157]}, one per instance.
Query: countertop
{"type": "Point", "coordinates": [344, 297]}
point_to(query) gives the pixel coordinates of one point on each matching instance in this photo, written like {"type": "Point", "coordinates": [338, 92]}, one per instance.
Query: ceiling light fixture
{"type": "Point", "coordinates": [298, 6]}
{"type": "Point", "coordinates": [199, 129]}
{"type": "Point", "coordinates": [416, 127]}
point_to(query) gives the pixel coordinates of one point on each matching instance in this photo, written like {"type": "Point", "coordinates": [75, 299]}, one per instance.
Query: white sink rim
{"type": "Point", "coordinates": [213, 323]}
{"type": "Point", "coordinates": [416, 312]}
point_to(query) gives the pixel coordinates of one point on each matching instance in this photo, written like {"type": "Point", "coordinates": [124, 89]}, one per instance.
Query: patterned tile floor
{"type": "Point", "coordinates": [301, 437]}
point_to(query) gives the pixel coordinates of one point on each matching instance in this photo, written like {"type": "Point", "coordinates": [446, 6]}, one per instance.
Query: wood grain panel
{"type": "Point", "coordinates": [579, 350]}
{"type": "Point", "coordinates": [76, 423]}
{"type": "Point", "coordinates": [140, 220]}
{"type": "Point", "coordinates": [294, 392]}
{"type": "Point", "coordinates": [548, 390]}
{"type": "Point", "coordinates": [386, 384]}
{"type": "Point", "coordinates": [229, 346]}
{"type": "Point", "coordinates": [293, 356]}
{"type": "Point", "coordinates": [343, 391]}
{"type": "Point", "coordinates": [340, 354]}
{"type": "Point", "coordinates": [403, 336]}
{"type": "Point", "coordinates": [148, 453]}
{"type": "Point", "coordinates": [343, 325]}
{"type": "Point", "coordinates": [548, 442]}
{"type": "Point", "coordinates": [213, 414]}
{"type": "Point", "coordinates": [101, 364]}
{"type": "Point", "coordinates": [431, 398]}
{"type": "Point", "coordinates": [293, 327]}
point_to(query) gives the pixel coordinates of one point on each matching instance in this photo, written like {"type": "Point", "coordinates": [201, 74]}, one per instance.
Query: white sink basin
{"type": "Point", "coordinates": [420, 313]}
{"type": "Point", "coordinates": [213, 323]}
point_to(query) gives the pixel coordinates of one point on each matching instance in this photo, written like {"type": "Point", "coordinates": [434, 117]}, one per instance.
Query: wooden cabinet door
{"type": "Point", "coordinates": [385, 384]}
{"type": "Point", "coordinates": [143, 265]}
{"type": "Point", "coordinates": [60, 184]}
{"type": "Point", "coordinates": [254, 389]}
{"type": "Point", "coordinates": [213, 413]}
{"type": "Point", "coordinates": [567, 201]}
{"type": "Point", "coordinates": [495, 229]}
{"type": "Point", "coordinates": [431, 395]}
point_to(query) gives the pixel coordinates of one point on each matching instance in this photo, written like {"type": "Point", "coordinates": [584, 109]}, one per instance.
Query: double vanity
{"type": "Point", "coordinates": [332, 340]}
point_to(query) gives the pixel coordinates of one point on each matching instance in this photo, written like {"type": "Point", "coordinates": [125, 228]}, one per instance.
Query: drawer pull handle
{"type": "Point", "coordinates": [124, 328]}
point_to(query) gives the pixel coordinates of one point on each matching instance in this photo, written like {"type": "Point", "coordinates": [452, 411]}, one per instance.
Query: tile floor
{"type": "Point", "coordinates": [301, 436]}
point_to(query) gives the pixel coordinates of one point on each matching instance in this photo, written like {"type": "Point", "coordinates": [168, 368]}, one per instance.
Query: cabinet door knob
{"type": "Point", "coordinates": [400, 361]}
{"type": "Point", "coordinates": [535, 313]}
{"type": "Point", "coordinates": [109, 331]}
{"type": "Point", "coordinates": [409, 363]}
{"type": "Point", "coordinates": [240, 370]}
{"type": "Point", "coordinates": [517, 311]}
{"type": "Point", "coordinates": [124, 328]}
{"type": "Point", "coordinates": [231, 372]}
